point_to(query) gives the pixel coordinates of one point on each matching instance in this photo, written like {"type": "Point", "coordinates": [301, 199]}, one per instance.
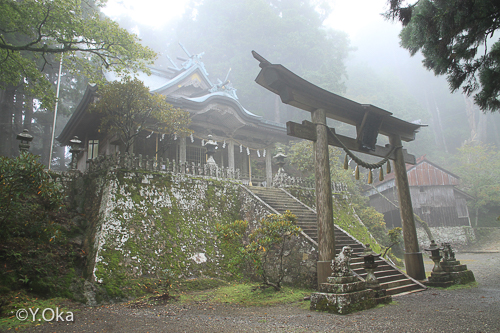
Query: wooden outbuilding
{"type": "Point", "coordinates": [434, 195]}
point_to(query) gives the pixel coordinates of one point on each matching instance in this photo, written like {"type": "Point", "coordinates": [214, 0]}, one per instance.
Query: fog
{"type": "Point", "coordinates": [377, 70]}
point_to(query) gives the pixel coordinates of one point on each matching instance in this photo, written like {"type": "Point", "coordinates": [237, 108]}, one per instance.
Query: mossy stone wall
{"type": "Point", "coordinates": [157, 225]}
{"type": "Point", "coordinates": [147, 225]}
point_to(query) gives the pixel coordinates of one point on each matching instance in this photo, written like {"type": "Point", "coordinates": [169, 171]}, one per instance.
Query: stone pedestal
{"type": "Point", "coordinates": [439, 279]}
{"type": "Point", "coordinates": [449, 271]}
{"type": "Point", "coordinates": [381, 297]}
{"type": "Point", "coordinates": [459, 274]}
{"type": "Point", "coordinates": [343, 295]}
{"type": "Point", "coordinates": [369, 264]}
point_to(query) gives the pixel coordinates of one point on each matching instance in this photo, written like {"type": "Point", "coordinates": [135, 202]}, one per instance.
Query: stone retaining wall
{"type": "Point", "coordinates": [458, 236]}
{"type": "Point", "coordinates": [154, 225]}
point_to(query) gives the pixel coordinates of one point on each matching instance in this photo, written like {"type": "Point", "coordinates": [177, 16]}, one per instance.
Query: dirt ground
{"type": "Point", "coordinates": [434, 310]}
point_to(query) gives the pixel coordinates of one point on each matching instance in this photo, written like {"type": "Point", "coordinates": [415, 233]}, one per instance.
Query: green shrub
{"type": "Point", "coordinates": [34, 251]}
{"type": "Point", "coordinates": [28, 199]}
{"type": "Point", "coordinates": [266, 248]}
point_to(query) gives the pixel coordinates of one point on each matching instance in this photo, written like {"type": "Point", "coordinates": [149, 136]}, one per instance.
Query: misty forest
{"type": "Point", "coordinates": [371, 69]}
{"type": "Point", "coordinates": [441, 73]}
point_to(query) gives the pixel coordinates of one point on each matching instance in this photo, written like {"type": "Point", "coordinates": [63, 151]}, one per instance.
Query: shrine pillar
{"type": "Point", "coordinates": [249, 171]}
{"type": "Point", "coordinates": [413, 257]}
{"type": "Point", "coordinates": [269, 168]}
{"type": "Point", "coordinates": [182, 150]}
{"type": "Point", "coordinates": [324, 201]}
{"type": "Point", "coordinates": [230, 154]}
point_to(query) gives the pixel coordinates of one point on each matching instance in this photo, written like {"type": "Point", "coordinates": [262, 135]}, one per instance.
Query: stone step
{"type": "Point", "coordinates": [355, 249]}
{"type": "Point", "coordinates": [360, 263]}
{"type": "Point", "coordinates": [380, 268]}
{"type": "Point", "coordinates": [396, 283]}
{"type": "Point", "coordinates": [380, 274]}
{"type": "Point", "coordinates": [390, 278]}
{"type": "Point", "coordinates": [285, 206]}
{"type": "Point", "coordinates": [294, 212]}
{"type": "Point", "coordinates": [387, 278]}
{"type": "Point", "coordinates": [404, 289]}
{"type": "Point", "coordinates": [343, 239]}
{"type": "Point", "coordinates": [354, 246]}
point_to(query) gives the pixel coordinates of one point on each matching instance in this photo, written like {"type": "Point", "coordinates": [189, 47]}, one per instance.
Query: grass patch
{"type": "Point", "coordinates": [19, 300]}
{"type": "Point", "coordinates": [248, 294]}
{"type": "Point", "coordinates": [197, 284]}
{"type": "Point", "coordinates": [459, 286]}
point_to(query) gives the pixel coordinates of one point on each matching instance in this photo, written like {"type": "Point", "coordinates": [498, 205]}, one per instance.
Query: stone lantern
{"type": "Point", "coordinates": [434, 249]}
{"type": "Point", "coordinates": [369, 265]}
{"type": "Point", "coordinates": [75, 149]}
{"type": "Point", "coordinates": [280, 159]}
{"type": "Point", "coordinates": [439, 277]}
{"type": "Point", "coordinates": [25, 138]}
{"type": "Point", "coordinates": [211, 146]}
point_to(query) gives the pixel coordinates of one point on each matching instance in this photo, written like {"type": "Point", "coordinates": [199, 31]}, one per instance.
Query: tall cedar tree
{"type": "Point", "coordinates": [456, 39]}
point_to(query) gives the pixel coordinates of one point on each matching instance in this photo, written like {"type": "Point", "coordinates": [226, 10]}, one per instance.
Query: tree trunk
{"type": "Point", "coordinates": [434, 128]}
{"type": "Point", "coordinates": [471, 118]}
{"type": "Point", "coordinates": [493, 120]}
{"type": "Point", "coordinates": [28, 113]}
{"type": "Point", "coordinates": [6, 111]}
{"type": "Point", "coordinates": [46, 136]}
{"type": "Point", "coordinates": [441, 135]}
{"type": "Point", "coordinates": [482, 127]}
{"type": "Point", "coordinates": [18, 117]}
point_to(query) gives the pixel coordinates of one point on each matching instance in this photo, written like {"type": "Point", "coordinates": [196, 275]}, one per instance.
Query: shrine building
{"type": "Point", "coordinates": [244, 139]}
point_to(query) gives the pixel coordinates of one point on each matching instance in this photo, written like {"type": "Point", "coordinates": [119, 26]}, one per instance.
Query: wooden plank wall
{"type": "Point", "coordinates": [437, 205]}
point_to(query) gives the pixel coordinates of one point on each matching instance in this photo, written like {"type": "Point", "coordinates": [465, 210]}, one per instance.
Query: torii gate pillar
{"type": "Point", "coordinates": [324, 201]}
{"type": "Point", "coordinates": [413, 257]}
{"type": "Point", "coordinates": [370, 121]}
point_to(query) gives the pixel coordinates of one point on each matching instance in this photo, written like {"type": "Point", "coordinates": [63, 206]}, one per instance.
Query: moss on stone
{"type": "Point", "coordinates": [153, 224]}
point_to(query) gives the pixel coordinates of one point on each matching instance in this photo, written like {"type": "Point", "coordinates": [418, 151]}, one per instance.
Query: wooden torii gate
{"type": "Point", "coordinates": [369, 121]}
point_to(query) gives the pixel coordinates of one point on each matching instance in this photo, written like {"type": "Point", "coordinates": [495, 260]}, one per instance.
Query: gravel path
{"type": "Point", "coordinates": [465, 310]}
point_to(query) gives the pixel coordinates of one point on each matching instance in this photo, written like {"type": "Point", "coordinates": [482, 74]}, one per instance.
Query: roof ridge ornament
{"type": "Point", "coordinates": [226, 87]}
{"type": "Point", "coordinates": [173, 63]}
{"type": "Point", "coordinates": [194, 59]}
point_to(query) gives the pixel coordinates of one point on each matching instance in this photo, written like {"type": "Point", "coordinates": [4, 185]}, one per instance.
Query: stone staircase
{"type": "Point", "coordinates": [391, 278]}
